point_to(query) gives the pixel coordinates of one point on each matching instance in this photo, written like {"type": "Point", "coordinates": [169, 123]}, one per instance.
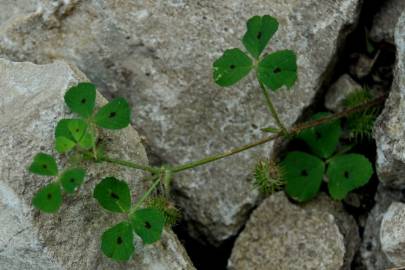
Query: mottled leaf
{"type": "Point", "coordinates": [113, 195]}
{"type": "Point", "coordinates": [231, 67]}
{"type": "Point", "coordinates": [278, 69]}
{"type": "Point", "coordinates": [303, 174]}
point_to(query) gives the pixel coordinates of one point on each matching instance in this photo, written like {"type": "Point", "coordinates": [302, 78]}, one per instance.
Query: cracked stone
{"type": "Point", "coordinates": [31, 103]}
{"type": "Point", "coordinates": [159, 55]}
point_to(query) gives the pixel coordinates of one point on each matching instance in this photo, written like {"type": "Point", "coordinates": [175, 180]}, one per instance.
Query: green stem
{"type": "Point", "coordinates": [272, 109]}
{"type": "Point", "coordinates": [131, 164]}
{"type": "Point", "coordinates": [146, 194]}
{"type": "Point", "coordinates": [294, 130]}
{"type": "Point", "coordinates": [225, 154]}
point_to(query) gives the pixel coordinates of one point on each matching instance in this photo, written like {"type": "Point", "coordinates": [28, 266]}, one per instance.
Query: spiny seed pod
{"type": "Point", "coordinates": [360, 124]}
{"type": "Point", "coordinates": [172, 214]}
{"type": "Point", "coordinates": [268, 177]}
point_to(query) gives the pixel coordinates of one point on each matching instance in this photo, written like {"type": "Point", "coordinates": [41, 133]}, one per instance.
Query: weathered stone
{"type": "Point", "coordinates": [372, 256]}
{"type": "Point", "coordinates": [392, 233]}
{"type": "Point", "coordinates": [282, 235]}
{"type": "Point", "coordinates": [389, 130]}
{"type": "Point", "coordinates": [361, 65]}
{"type": "Point", "coordinates": [159, 54]}
{"type": "Point", "coordinates": [385, 20]}
{"type": "Point", "coordinates": [10, 8]}
{"type": "Point", "coordinates": [31, 103]}
{"type": "Point", "coordinates": [336, 94]}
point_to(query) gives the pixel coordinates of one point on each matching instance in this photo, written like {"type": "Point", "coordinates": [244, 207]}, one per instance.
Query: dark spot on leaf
{"type": "Point", "coordinates": [277, 70]}
{"type": "Point", "coordinates": [259, 35]}
{"type": "Point", "coordinates": [45, 166]}
{"type": "Point", "coordinates": [232, 66]}
{"type": "Point", "coordinates": [49, 196]}
{"type": "Point", "coordinates": [119, 240]}
{"type": "Point", "coordinates": [147, 225]}
{"type": "Point", "coordinates": [346, 174]}
{"type": "Point", "coordinates": [83, 101]}
{"type": "Point", "coordinates": [318, 135]}
{"type": "Point", "coordinates": [112, 114]}
{"type": "Point", "coordinates": [304, 173]}
{"type": "Point", "coordinates": [114, 196]}
{"type": "Point", "coordinates": [72, 180]}
{"type": "Point", "coordinates": [77, 130]}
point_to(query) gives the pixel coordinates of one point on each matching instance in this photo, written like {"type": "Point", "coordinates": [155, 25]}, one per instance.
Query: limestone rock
{"type": "Point", "coordinates": [392, 233]}
{"type": "Point", "coordinates": [281, 235]}
{"type": "Point", "coordinates": [159, 54]}
{"type": "Point", "coordinates": [31, 103]}
{"type": "Point", "coordinates": [385, 20]}
{"type": "Point", "coordinates": [10, 8]}
{"type": "Point", "coordinates": [372, 256]}
{"type": "Point", "coordinates": [389, 130]}
{"type": "Point", "coordinates": [336, 94]}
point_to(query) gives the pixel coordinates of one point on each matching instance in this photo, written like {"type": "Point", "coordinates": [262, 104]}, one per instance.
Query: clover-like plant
{"type": "Point", "coordinates": [272, 71]}
{"type": "Point", "coordinates": [304, 172]}
{"type": "Point", "coordinates": [77, 139]}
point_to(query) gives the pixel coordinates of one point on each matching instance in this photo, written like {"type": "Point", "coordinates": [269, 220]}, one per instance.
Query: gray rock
{"type": "Point", "coordinates": [10, 8]}
{"type": "Point", "coordinates": [385, 20]}
{"type": "Point", "coordinates": [31, 103]}
{"type": "Point", "coordinates": [336, 94]}
{"type": "Point", "coordinates": [392, 233]}
{"type": "Point", "coordinates": [389, 129]}
{"type": "Point", "coordinates": [372, 256]}
{"type": "Point", "coordinates": [159, 54]}
{"type": "Point", "coordinates": [282, 235]}
{"type": "Point", "coordinates": [362, 65]}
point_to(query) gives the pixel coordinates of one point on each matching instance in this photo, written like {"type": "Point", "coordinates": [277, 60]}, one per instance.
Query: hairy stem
{"type": "Point", "coordinates": [272, 109]}
{"type": "Point", "coordinates": [130, 164]}
{"type": "Point", "coordinates": [225, 154]}
{"type": "Point", "coordinates": [146, 194]}
{"type": "Point", "coordinates": [292, 131]}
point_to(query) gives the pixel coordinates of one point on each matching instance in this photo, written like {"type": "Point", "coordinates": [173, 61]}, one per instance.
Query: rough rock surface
{"type": "Point", "coordinates": [386, 19]}
{"type": "Point", "coordinates": [389, 130]}
{"type": "Point", "coordinates": [31, 103]}
{"type": "Point", "coordinates": [372, 256]}
{"type": "Point", "coordinates": [281, 235]}
{"type": "Point", "coordinates": [10, 8]}
{"type": "Point", "coordinates": [336, 94]}
{"type": "Point", "coordinates": [159, 54]}
{"type": "Point", "coordinates": [392, 233]}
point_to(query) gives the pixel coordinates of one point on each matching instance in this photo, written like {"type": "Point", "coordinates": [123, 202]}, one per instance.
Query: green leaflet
{"type": "Point", "coordinates": [81, 99]}
{"type": "Point", "coordinates": [278, 69]}
{"type": "Point", "coordinates": [113, 195]}
{"type": "Point", "coordinates": [117, 242]}
{"type": "Point", "coordinates": [44, 164]}
{"type": "Point", "coordinates": [259, 31]}
{"type": "Point", "coordinates": [148, 223]}
{"type": "Point", "coordinates": [62, 129]}
{"type": "Point", "coordinates": [231, 67]}
{"type": "Point", "coordinates": [303, 174]}
{"type": "Point", "coordinates": [81, 132]}
{"type": "Point", "coordinates": [115, 115]}
{"type": "Point", "coordinates": [63, 145]}
{"type": "Point", "coordinates": [322, 139]}
{"type": "Point", "coordinates": [346, 173]}
{"type": "Point", "coordinates": [71, 179]}
{"type": "Point", "coordinates": [77, 128]}
{"type": "Point", "coordinates": [48, 199]}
